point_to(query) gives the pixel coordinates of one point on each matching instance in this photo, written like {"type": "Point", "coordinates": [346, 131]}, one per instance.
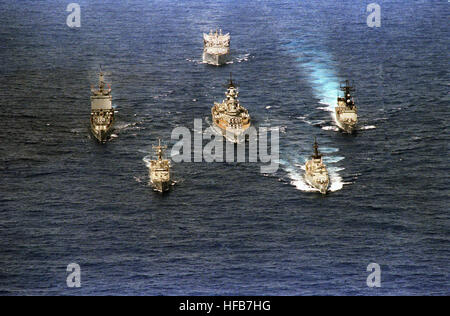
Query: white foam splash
{"type": "Point", "coordinates": [364, 128]}
{"type": "Point", "coordinates": [124, 126]}
{"type": "Point", "coordinates": [336, 182]}
{"type": "Point", "coordinates": [328, 150]}
{"type": "Point", "coordinates": [242, 57]}
{"type": "Point", "coordinates": [332, 159]}
{"type": "Point", "coordinates": [297, 177]}
{"type": "Point", "coordinates": [195, 61]}
{"type": "Point", "coordinates": [331, 128]}
{"type": "Point", "coordinates": [146, 160]}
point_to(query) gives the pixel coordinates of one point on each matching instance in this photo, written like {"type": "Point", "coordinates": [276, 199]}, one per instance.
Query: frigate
{"type": "Point", "coordinates": [216, 48]}
{"type": "Point", "coordinates": [316, 173]}
{"type": "Point", "coordinates": [159, 170]}
{"type": "Point", "coordinates": [102, 112]}
{"type": "Point", "coordinates": [230, 118]}
{"type": "Point", "coordinates": [346, 111]}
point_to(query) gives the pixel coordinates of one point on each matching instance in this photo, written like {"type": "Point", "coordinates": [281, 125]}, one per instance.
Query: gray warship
{"type": "Point", "coordinates": [316, 173]}
{"type": "Point", "coordinates": [102, 112]}
{"type": "Point", "coordinates": [216, 48]}
{"type": "Point", "coordinates": [346, 111]}
{"type": "Point", "coordinates": [159, 170]}
{"type": "Point", "coordinates": [230, 118]}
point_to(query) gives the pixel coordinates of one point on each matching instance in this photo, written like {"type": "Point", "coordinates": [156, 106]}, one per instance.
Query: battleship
{"type": "Point", "coordinates": [316, 173]}
{"type": "Point", "coordinates": [102, 112]}
{"type": "Point", "coordinates": [159, 170]}
{"type": "Point", "coordinates": [216, 48]}
{"type": "Point", "coordinates": [229, 118]}
{"type": "Point", "coordinates": [346, 111]}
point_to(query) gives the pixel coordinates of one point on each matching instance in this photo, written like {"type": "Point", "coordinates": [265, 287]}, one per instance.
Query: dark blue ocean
{"type": "Point", "coordinates": [225, 228]}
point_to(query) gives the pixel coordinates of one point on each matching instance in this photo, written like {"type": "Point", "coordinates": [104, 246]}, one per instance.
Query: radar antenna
{"type": "Point", "coordinates": [347, 88]}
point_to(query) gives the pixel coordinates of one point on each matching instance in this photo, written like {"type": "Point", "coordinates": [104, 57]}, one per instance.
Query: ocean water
{"type": "Point", "coordinates": [225, 228]}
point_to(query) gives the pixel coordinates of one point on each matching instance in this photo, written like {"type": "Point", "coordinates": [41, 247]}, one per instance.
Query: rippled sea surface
{"type": "Point", "coordinates": [225, 229]}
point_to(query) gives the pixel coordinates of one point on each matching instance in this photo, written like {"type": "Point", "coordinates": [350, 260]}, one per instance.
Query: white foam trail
{"type": "Point", "coordinates": [336, 182]}
{"type": "Point", "coordinates": [322, 75]}
{"type": "Point", "coordinates": [328, 150]}
{"type": "Point", "coordinates": [146, 160]}
{"type": "Point", "coordinates": [364, 128]}
{"type": "Point", "coordinates": [123, 126]}
{"type": "Point", "coordinates": [242, 57]}
{"type": "Point", "coordinates": [195, 61]}
{"type": "Point", "coordinates": [77, 130]}
{"type": "Point", "coordinates": [332, 159]}
{"type": "Point", "coordinates": [331, 128]}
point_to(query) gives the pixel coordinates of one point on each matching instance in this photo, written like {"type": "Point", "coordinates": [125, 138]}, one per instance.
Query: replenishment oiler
{"type": "Point", "coordinates": [102, 112]}
{"type": "Point", "coordinates": [316, 173]}
{"type": "Point", "coordinates": [159, 170]}
{"type": "Point", "coordinates": [346, 111]}
{"type": "Point", "coordinates": [230, 118]}
{"type": "Point", "coordinates": [216, 48]}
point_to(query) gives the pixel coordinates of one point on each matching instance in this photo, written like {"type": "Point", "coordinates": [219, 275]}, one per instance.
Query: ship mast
{"type": "Point", "coordinates": [316, 155]}
{"type": "Point", "coordinates": [159, 149]}
{"type": "Point", "coordinates": [231, 84]}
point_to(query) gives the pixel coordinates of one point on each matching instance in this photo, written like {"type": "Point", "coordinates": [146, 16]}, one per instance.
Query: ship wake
{"type": "Point", "coordinates": [321, 72]}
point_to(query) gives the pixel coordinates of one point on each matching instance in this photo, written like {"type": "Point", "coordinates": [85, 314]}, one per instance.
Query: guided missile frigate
{"type": "Point", "coordinates": [159, 170]}
{"type": "Point", "coordinates": [316, 173]}
{"type": "Point", "coordinates": [346, 111]}
{"type": "Point", "coordinates": [102, 112]}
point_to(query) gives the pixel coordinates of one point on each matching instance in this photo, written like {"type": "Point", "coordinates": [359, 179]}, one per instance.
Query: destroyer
{"type": "Point", "coordinates": [216, 48]}
{"type": "Point", "coordinates": [230, 118]}
{"type": "Point", "coordinates": [316, 173]}
{"type": "Point", "coordinates": [346, 111]}
{"type": "Point", "coordinates": [160, 170]}
{"type": "Point", "coordinates": [102, 112]}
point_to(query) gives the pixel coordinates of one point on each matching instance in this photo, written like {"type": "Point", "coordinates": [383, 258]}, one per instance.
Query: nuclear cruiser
{"type": "Point", "coordinates": [102, 112]}
{"type": "Point", "coordinates": [160, 170]}
{"type": "Point", "coordinates": [216, 48]}
{"type": "Point", "coordinates": [346, 111]}
{"type": "Point", "coordinates": [316, 173]}
{"type": "Point", "coordinates": [229, 118]}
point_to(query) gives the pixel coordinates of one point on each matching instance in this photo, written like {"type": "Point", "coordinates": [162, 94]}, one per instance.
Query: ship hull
{"type": "Point", "coordinates": [322, 187]}
{"type": "Point", "coordinates": [100, 132]}
{"type": "Point", "coordinates": [215, 59]}
{"type": "Point", "coordinates": [345, 126]}
{"type": "Point", "coordinates": [161, 186]}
